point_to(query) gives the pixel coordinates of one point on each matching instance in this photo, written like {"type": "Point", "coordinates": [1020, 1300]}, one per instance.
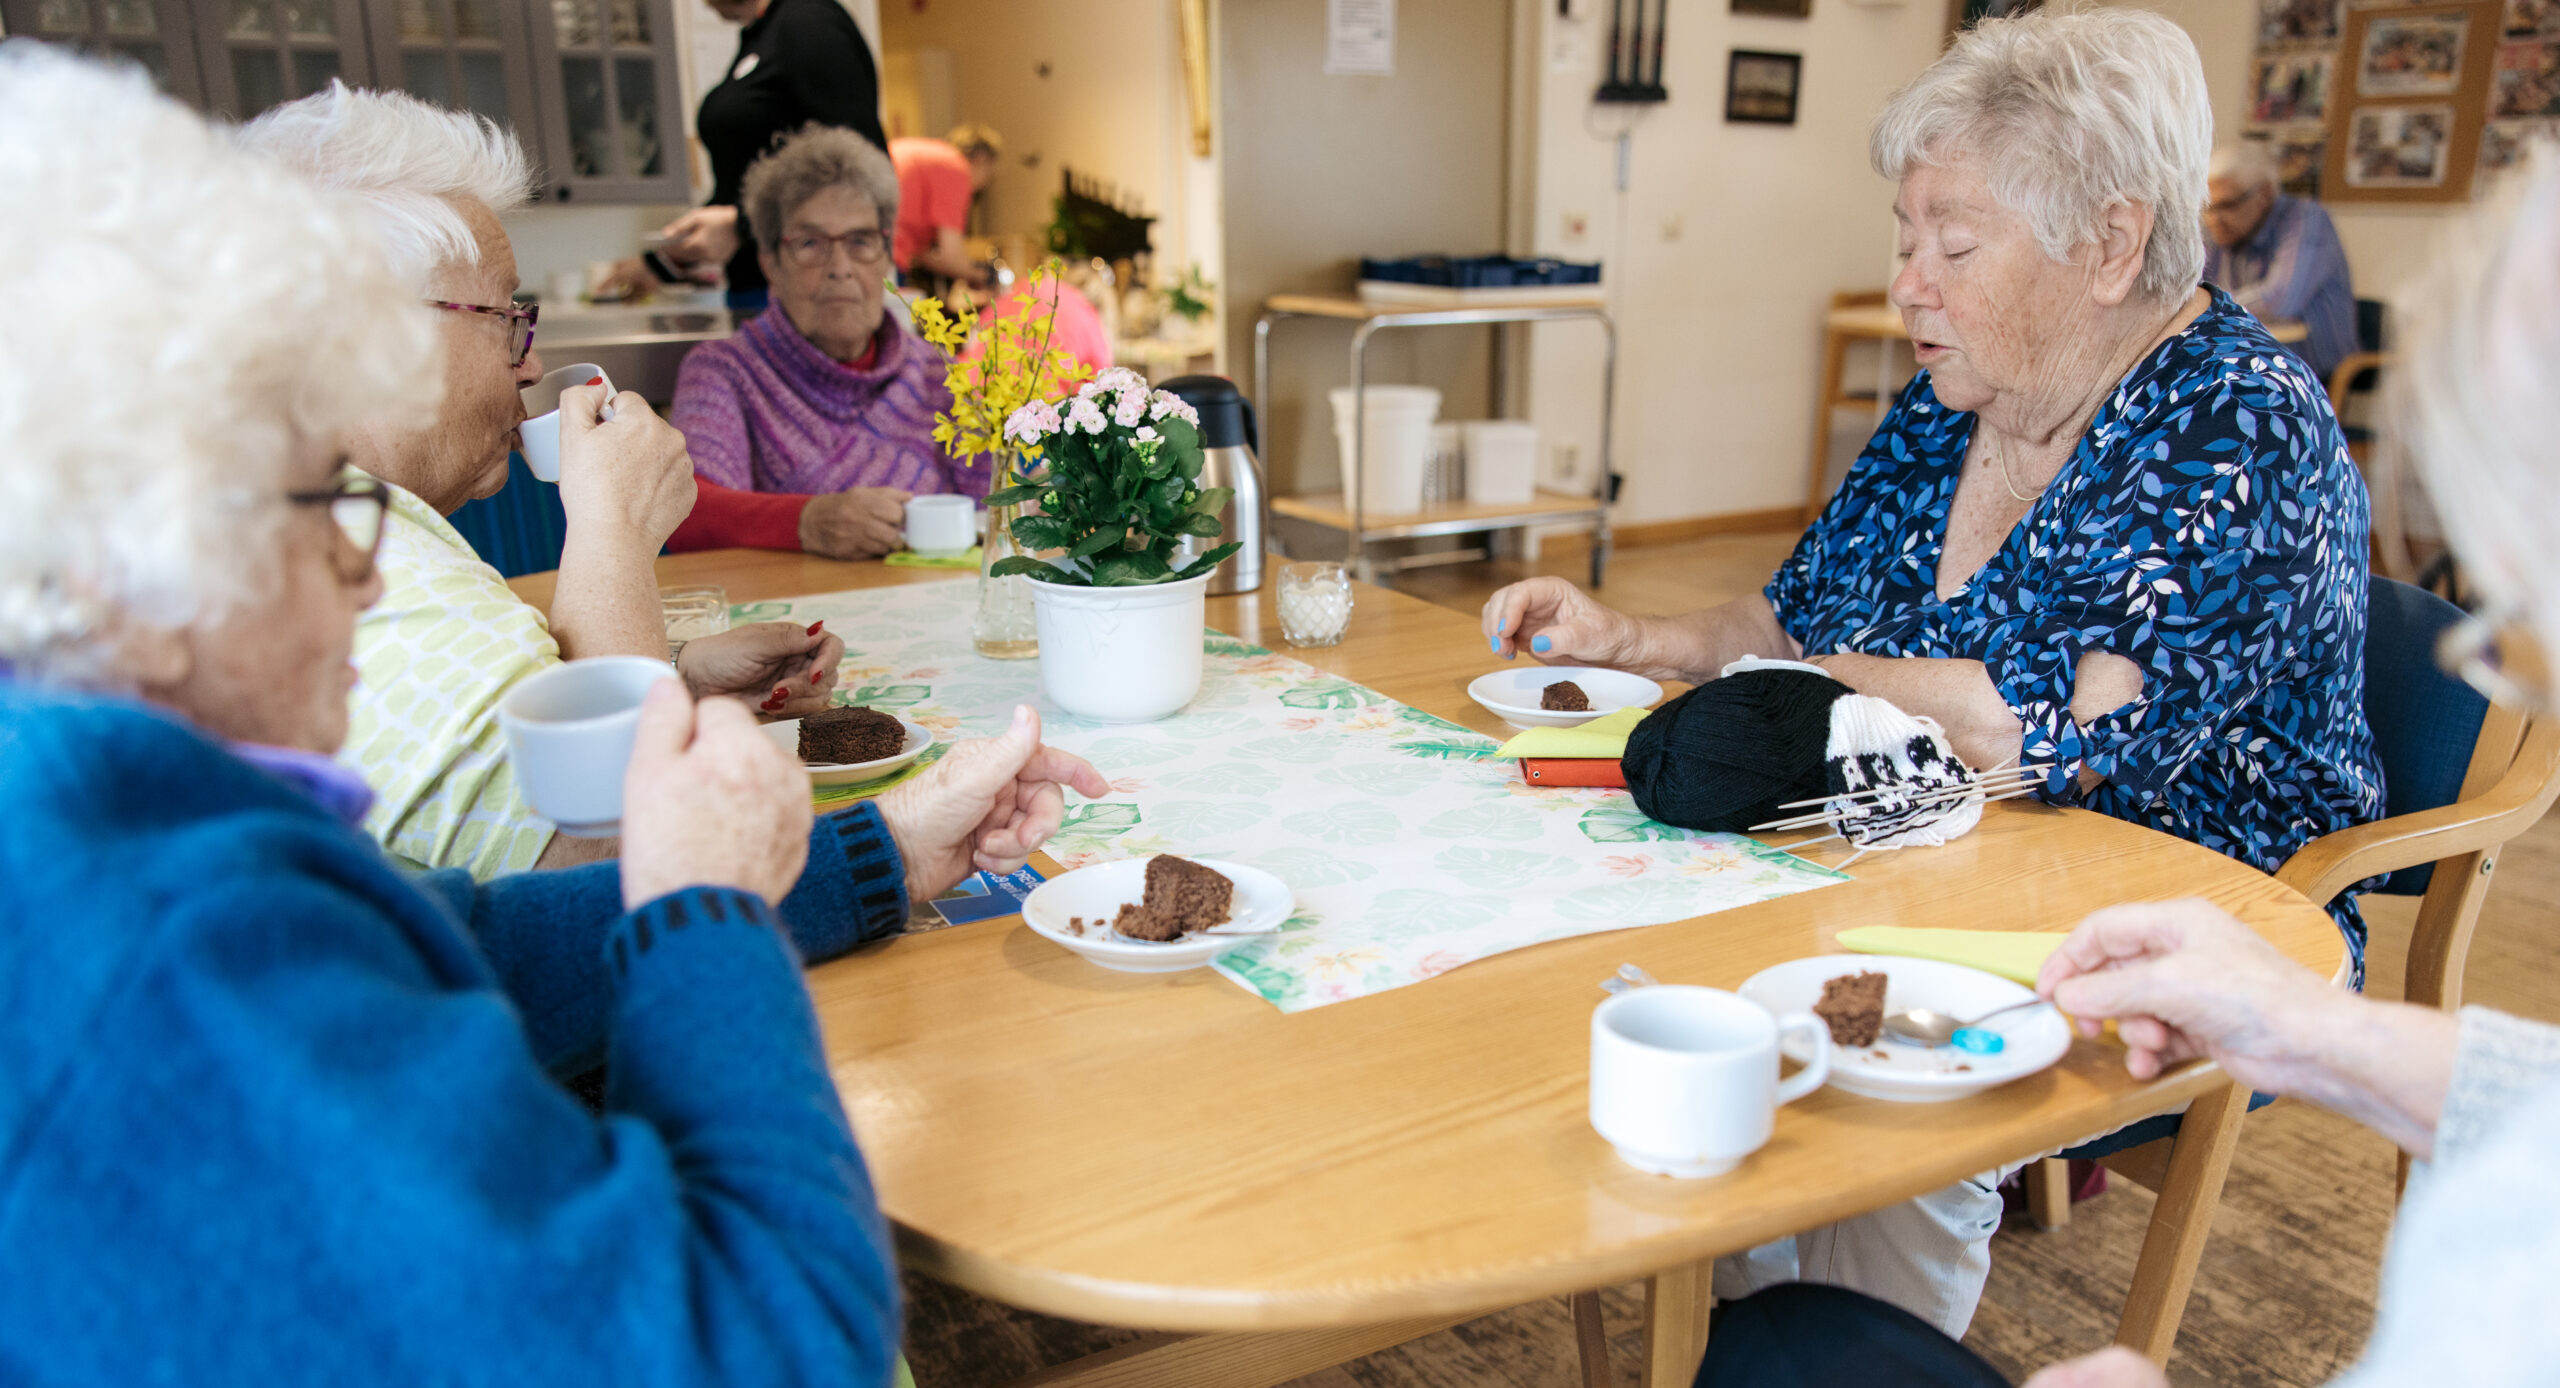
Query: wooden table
{"type": "Point", "coordinates": [1170, 1152]}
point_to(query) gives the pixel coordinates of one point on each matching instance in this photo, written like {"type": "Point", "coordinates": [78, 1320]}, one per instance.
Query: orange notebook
{"type": "Point", "coordinates": [1573, 771]}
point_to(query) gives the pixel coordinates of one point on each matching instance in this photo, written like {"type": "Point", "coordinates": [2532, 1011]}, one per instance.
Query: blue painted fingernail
{"type": "Point", "coordinates": [1495, 643]}
{"type": "Point", "coordinates": [1540, 645]}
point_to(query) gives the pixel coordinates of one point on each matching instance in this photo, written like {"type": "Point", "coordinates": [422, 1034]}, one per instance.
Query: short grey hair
{"type": "Point", "coordinates": [2068, 115]}
{"type": "Point", "coordinates": [410, 163]}
{"type": "Point", "coordinates": [808, 163]}
{"type": "Point", "coordinates": [183, 319]}
{"type": "Point", "coordinates": [2250, 163]}
{"type": "Point", "coordinates": [2472, 390]}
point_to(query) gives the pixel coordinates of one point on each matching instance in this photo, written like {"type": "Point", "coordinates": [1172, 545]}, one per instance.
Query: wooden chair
{"type": "Point", "coordinates": [2463, 779]}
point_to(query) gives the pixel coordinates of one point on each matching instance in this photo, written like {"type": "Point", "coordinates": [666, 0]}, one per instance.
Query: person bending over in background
{"type": "Point", "coordinates": [449, 638]}
{"type": "Point", "coordinates": [938, 180]}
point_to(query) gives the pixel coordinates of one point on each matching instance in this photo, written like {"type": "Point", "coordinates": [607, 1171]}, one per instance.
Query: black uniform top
{"type": "Point", "coordinates": [800, 61]}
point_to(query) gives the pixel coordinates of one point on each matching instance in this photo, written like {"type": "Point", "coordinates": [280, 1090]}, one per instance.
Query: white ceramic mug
{"type": "Point", "coordinates": [539, 435]}
{"type": "Point", "coordinates": [1684, 1081]}
{"type": "Point", "coordinates": [569, 732]}
{"type": "Point", "coordinates": [941, 523]}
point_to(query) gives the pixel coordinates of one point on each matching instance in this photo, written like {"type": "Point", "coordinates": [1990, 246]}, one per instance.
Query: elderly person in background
{"type": "Point", "coordinates": [2466, 1295]}
{"type": "Point", "coordinates": [449, 638]}
{"type": "Point", "coordinates": [813, 425]}
{"type": "Point", "coordinates": [2278, 256]}
{"type": "Point", "coordinates": [276, 1111]}
{"type": "Point", "coordinates": [2109, 528]}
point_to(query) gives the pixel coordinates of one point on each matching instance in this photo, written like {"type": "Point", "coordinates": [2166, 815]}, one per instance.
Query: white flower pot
{"type": "Point", "coordinates": [1121, 655]}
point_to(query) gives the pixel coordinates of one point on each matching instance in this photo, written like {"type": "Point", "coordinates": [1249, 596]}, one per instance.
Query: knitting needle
{"type": "Point", "coordinates": [1984, 779]}
{"type": "Point", "coordinates": [1980, 794]}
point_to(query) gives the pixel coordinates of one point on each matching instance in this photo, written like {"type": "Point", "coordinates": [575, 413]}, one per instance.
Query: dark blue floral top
{"type": "Point", "coordinates": [2210, 528]}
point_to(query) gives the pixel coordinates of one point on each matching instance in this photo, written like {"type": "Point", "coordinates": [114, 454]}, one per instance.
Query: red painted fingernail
{"type": "Point", "coordinates": [595, 380]}
{"type": "Point", "coordinates": [816, 625]}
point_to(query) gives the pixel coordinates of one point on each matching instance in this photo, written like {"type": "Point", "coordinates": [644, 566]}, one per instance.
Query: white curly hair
{"type": "Point", "coordinates": [2070, 114]}
{"type": "Point", "coordinates": [182, 318]}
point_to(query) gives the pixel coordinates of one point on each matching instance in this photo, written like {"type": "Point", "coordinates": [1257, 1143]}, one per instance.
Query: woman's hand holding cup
{"type": "Point", "coordinates": [709, 800]}
{"type": "Point", "coordinates": [630, 474]}
{"type": "Point", "coordinates": [986, 805]}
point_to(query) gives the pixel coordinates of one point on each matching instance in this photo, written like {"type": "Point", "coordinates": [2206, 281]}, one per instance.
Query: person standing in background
{"type": "Point", "coordinates": [2278, 255]}
{"type": "Point", "coordinates": [938, 181]}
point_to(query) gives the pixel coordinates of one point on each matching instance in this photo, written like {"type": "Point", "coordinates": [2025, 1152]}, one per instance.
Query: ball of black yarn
{"type": "Point", "coordinates": [1727, 754]}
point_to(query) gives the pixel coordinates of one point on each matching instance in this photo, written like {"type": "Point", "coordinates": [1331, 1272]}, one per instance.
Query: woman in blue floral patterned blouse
{"type": "Point", "coordinates": [2111, 525]}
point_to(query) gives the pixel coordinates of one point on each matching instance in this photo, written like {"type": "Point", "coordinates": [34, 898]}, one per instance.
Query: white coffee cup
{"type": "Point", "coordinates": [569, 732]}
{"type": "Point", "coordinates": [941, 523]}
{"type": "Point", "coordinates": [1684, 1081]}
{"type": "Point", "coordinates": [539, 435]}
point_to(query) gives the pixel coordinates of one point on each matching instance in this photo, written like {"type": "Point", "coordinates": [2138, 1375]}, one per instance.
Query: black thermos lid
{"type": "Point", "coordinates": [1225, 418]}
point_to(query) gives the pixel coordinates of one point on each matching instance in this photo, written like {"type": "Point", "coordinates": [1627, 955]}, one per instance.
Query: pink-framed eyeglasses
{"type": "Point", "coordinates": [520, 319]}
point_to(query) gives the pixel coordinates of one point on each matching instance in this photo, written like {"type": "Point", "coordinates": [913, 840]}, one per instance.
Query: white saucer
{"type": "Point", "coordinates": [1511, 694]}
{"type": "Point", "coordinates": [1889, 1069]}
{"type": "Point", "coordinates": [786, 735]}
{"type": "Point", "coordinates": [1098, 892]}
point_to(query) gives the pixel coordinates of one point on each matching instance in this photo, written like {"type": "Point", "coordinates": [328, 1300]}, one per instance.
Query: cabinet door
{"type": "Point", "coordinates": [606, 74]}
{"type": "Point", "coordinates": [158, 34]}
{"type": "Point", "coordinates": [263, 53]}
{"type": "Point", "coordinates": [471, 55]}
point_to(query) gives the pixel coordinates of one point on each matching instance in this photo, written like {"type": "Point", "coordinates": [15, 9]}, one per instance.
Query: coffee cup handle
{"type": "Point", "coordinates": [1815, 1070]}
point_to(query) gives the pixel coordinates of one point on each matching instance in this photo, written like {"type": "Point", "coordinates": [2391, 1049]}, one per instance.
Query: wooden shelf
{"type": "Point", "coordinates": [1333, 511]}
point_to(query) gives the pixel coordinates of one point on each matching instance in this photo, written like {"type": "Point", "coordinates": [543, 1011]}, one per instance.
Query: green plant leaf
{"type": "Point", "coordinates": [1017, 495]}
{"type": "Point", "coordinates": [1095, 543]}
{"type": "Point", "coordinates": [1212, 500]}
{"type": "Point", "coordinates": [1203, 524]}
{"type": "Point", "coordinates": [1042, 532]}
{"type": "Point", "coordinates": [1622, 822]}
{"type": "Point", "coordinates": [1128, 570]}
{"type": "Point", "coordinates": [1026, 566]}
{"type": "Point", "coordinates": [1208, 561]}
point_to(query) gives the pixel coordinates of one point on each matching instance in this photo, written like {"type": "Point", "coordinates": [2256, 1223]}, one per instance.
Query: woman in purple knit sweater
{"type": "Point", "coordinates": [813, 425]}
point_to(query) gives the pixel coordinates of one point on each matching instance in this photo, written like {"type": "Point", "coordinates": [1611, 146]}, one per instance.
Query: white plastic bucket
{"type": "Point", "coordinates": [1120, 655]}
{"type": "Point", "coordinates": [1502, 460]}
{"type": "Point", "coordinates": [1398, 447]}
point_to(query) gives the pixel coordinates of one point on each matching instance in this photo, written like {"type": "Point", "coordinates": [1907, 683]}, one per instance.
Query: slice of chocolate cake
{"type": "Point", "coordinates": [1191, 896]}
{"type": "Point", "coordinates": [1564, 696]}
{"type": "Point", "coordinates": [1853, 1007]}
{"type": "Point", "coordinates": [847, 736]}
{"type": "Point", "coordinates": [1143, 923]}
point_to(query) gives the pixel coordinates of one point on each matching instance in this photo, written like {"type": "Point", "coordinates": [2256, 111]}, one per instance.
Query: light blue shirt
{"type": "Point", "coordinates": [2293, 267]}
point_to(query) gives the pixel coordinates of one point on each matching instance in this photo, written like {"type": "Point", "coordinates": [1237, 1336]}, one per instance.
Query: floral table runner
{"type": "Point", "coordinates": [1410, 850]}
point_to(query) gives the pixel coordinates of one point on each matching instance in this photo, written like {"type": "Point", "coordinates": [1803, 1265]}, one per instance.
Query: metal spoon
{"type": "Point", "coordinates": [1922, 1027]}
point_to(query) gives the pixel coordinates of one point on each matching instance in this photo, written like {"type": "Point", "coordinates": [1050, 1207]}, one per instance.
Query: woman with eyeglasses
{"type": "Point", "coordinates": [2466, 1294]}
{"type": "Point", "coordinates": [273, 1110]}
{"type": "Point", "coordinates": [812, 426]}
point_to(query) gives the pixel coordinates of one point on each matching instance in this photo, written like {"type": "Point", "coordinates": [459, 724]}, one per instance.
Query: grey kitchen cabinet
{"type": "Point", "coordinates": [158, 34]}
{"type": "Point", "coordinates": [605, 72]}
{"type": "Point", "coordinates": [260, 53]}
{"type": "Point", "coordinates": [473, 55]}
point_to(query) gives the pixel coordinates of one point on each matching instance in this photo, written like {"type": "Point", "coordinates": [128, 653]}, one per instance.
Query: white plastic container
{"type": "Point", "coordinates": [1120, 655]}
{"type": "Point", "coordinates": [1398, 447]}
{"type": "Point", "coordinates": [1502, 460]}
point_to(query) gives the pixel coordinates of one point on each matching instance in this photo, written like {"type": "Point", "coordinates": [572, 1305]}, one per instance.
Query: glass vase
{"type": "Point", "coordinates": [1003, 628]}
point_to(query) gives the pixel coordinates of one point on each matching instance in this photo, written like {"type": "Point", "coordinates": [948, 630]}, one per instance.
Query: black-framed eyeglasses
{"type": "Point", "coordinates": [358, 504]}
{"type": "Point", "coordinates": [2474, 652]}
{"type": "Point", "coordinates": [520, 320]}
{"type": "Point", "coordinates": [810, 251]}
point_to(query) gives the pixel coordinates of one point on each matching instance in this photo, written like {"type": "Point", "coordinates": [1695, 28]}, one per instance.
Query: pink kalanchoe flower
{"type": "Point", "coordinates": [1168, 403]}
{"type": "Point", "coordinates": [1147, 433]}
{"type": "Point", "coordinates": [1026, 425]}
{"type": "Point", "coordinates": [1087, 416]}
{"type": "Point", "coordinates": [1131, 409]}
{"type": "Point", "coordinates": [1119, 379]}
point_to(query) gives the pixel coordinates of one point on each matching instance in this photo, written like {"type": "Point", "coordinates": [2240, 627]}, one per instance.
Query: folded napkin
{"type": "Point", "coordinates": [909, 559]}
{"type": "Point", "coordinates": [2012, 954]}
{"type": "Point", "coordinates": [1604, 736]}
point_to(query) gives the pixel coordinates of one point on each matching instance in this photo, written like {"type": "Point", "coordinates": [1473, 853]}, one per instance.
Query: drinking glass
{"type": "Point", "coordinates": [693, 611]}
{"type": "Point", "coordinates": [1315, 604]}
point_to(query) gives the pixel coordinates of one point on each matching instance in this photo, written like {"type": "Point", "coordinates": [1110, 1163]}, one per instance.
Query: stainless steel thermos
{"type": "Point", "coordinates": [1227, 437]}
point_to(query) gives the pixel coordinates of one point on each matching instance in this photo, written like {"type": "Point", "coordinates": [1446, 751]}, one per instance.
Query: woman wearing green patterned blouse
{"type": "Point", "coordinates": [449, 638]}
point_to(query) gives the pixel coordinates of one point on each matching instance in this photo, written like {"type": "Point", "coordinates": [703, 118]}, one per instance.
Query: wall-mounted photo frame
{"type": "Point", "coordinates": [1775, 9]}
{"type": "Point", "coordinates": [2405, 102]}
{"type": "Point", "coordinates": [1760, 88]}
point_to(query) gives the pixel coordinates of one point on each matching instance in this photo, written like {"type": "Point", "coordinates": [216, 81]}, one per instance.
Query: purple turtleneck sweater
{"type": "Point", "coordinates": [765, 411]}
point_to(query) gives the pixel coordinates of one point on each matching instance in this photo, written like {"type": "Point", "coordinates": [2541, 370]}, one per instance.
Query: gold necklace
{"type": "Point", "coordinates": [2000, 456]}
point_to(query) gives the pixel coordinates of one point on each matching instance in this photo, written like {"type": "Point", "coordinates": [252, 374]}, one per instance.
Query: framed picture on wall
{"type": "Point", "coordinates": [2297, 21]}
{"type": "Point", "coordinates": [2414, 56]}
{"type": "Point", "coordinates": [2406, 100]}
{"type": "Point", "coordinates": [1760, 88]}
{"type": "Point", "coordinates": [2288, 86]}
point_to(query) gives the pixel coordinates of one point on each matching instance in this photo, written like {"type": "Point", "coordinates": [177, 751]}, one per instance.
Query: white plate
{"type": "Point", "coordinates": [1512, 694]}
{"type": "Point", "coordinates": [1890, 1069]}
{"type": "Point", "coordinates": [1098, 892]}
{"type": "Point", "coordinates": [786, 735]}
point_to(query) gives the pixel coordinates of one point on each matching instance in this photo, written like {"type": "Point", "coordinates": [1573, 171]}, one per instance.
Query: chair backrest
{"type": "Point", "coordinates": [521, 529]}
{"type": "Point", "coordinates": [2369, 324]}
{"type": "Point", "coordinates": [2425, 722]}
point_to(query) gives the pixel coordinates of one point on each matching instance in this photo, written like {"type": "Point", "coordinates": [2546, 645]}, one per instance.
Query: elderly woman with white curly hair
{"type": "Point", "coordinates": [2466, 1293]}
{"type": "Point", "coordinates": [2110, 528]}
{"type": "Point", "coordinates": [273, 1110]}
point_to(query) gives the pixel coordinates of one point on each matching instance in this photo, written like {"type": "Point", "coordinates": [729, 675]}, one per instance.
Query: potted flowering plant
{"type": "Point", "coordinates": [1117, 505]}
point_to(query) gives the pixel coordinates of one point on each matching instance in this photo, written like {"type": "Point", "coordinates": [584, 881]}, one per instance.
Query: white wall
{"type": "Point", "coordinates": [1723, 253]}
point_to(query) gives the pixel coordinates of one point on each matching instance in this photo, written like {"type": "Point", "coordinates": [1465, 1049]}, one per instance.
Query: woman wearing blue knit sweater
{"type": "Point", "coordinates": [271, 1111]}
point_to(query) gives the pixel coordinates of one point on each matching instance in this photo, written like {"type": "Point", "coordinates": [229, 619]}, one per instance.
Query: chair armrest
{"type": "Point", "coordinates": [2332, 863]}
{"type": "Point", "coordinates": [2351, 366]}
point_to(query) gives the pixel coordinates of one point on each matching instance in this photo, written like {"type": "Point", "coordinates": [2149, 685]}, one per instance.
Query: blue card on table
{"type": "Point", "coordinates": [984, 896]}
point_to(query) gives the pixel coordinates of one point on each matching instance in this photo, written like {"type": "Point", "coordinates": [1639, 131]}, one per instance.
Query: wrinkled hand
{"type": "Point", "coordinates": [785, 670]}
{"type": "Point", "coordinates": [856, 523]}
{"type": "Point", "coordinates": [2183, 979]}
{"type": "Point", "coordinates": [1558, 624]}
{"type": "Point", "coordinates": [629, 476]}
{"type": "Point", "coordinates": [2112, 1367]}
{"type": "Point", "coordinates": [986, 805]}
{"type": "Point", "coordinates": [628, 279]}
{"type": "Point", "coordinates": [709, 801]}
{"type": "Point", "coordinates": [703, 236]}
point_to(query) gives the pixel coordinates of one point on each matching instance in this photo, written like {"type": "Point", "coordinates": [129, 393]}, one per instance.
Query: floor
{"type": "Point", "coordinates": [2286, 1293]}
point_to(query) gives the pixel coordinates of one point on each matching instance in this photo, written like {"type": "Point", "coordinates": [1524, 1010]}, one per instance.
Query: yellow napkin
{"type": "Point", "coordinates": [909, 559]}
{"type": "Point", "coordinates": [1604, 736]}
{"type": "Point", "coordinates": [2012, 954]}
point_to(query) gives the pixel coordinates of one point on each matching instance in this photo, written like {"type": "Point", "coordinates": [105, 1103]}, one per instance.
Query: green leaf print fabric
{"type": "Point", "coordinates": [1409, 850]}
